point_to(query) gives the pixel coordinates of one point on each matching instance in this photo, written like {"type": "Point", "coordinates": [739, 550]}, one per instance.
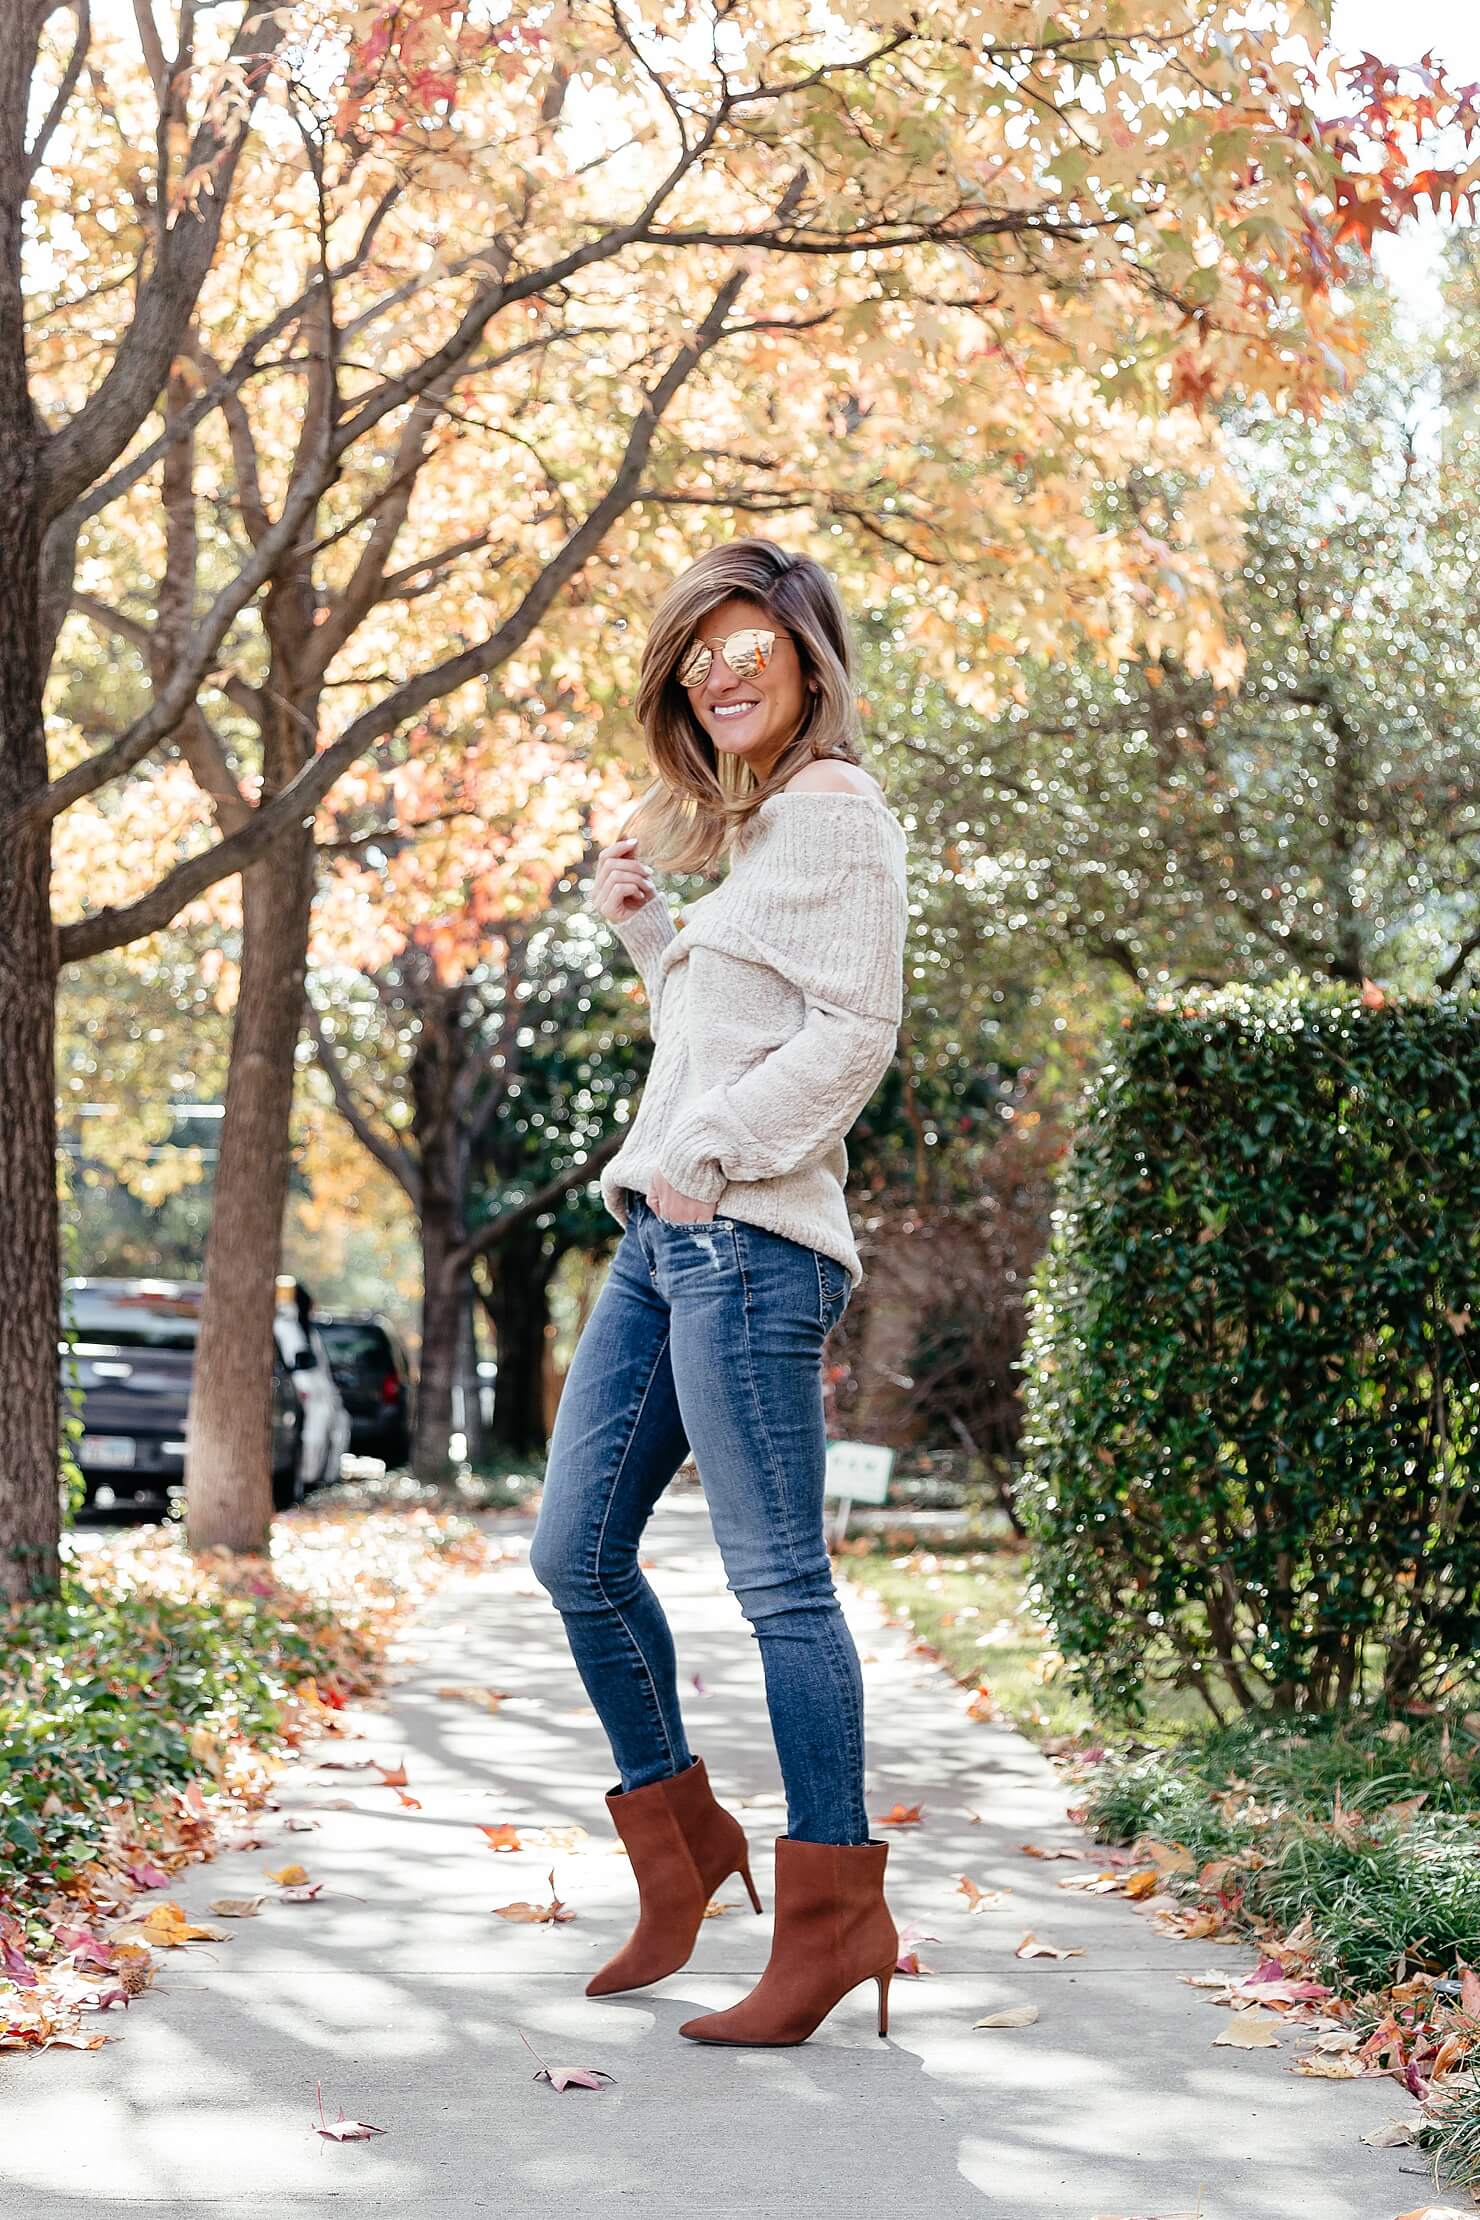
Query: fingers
{"type": "Point", "coordinates": [622, 883]}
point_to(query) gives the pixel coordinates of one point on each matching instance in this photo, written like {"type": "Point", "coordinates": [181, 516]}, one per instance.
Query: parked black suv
{"type": "Point", "coordinates": [130, 1346]}
{"type": "Point", "coordinates": [371, 1371]}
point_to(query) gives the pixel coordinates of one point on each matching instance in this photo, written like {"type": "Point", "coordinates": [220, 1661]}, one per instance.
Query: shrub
{"type": "Point", "coordinates": [1252, 1400]}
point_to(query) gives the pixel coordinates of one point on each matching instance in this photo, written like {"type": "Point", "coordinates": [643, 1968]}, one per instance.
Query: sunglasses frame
{"type": "Point", "coordinates": [769, 633]}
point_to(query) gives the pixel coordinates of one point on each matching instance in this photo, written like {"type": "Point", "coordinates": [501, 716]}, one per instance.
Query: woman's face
{"type": "Point", "coordinates": [750, 717]}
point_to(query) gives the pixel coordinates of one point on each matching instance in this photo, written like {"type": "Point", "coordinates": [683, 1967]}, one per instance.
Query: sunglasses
{"type": "Point", "coordinates": [748, 653]}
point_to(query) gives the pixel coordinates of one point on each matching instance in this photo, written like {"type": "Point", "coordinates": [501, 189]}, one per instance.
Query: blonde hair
{"type": "Point", "coordinates": [686, 819]}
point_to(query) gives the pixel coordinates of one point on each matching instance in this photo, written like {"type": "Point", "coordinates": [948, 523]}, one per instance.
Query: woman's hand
{"type": "Point", "coordinates": [621, 884]}
{"type": "Point", "coordinates": [665, 1201]}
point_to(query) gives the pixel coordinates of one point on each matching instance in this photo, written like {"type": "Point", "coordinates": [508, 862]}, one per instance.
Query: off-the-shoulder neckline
{"type": "Point", "coordinates": [827, 794]}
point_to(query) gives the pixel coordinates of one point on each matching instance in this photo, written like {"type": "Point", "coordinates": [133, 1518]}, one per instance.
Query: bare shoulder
{"type": "Point", "coordinates": [833, 777]}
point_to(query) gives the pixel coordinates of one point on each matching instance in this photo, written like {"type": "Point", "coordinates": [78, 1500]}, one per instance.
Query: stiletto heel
{"type": "Point", "coordinates": [832, 1933]}
{"type": "Point", "coordinates": [755, 1902]}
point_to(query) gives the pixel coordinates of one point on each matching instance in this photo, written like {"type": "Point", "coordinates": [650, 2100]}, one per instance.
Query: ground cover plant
{"type": "Point", "coordinates": [154, 1699]}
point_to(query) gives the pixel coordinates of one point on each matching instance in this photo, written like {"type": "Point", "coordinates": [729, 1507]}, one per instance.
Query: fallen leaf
{"type": "Point", "coordinates": [566, 2077]}
{"type": "Point", "coordinates": [1396, 2134]}
{"type": "Point", "coordinates": [1167, 1857]}
{"type": "Point", "coordinates": [910, 1962]}
{"type": "Point", "coordinates": [1319, 2067]}
{"type": "Point", "coordinates": [983, 1706]}
{"type": "Point", "coordinates": [392, 1776]}
{"type": "Point", "coordinates": [1032, 1850]}
{"type": "Point", "coordinates": [289, 1876]}
{"type": "Point", "coordinates": [1144, 1883]}
{"type": "Point", "coordinates": [342, 2130]}
{"type": "Point", "coordinates": [976, 1897]}
{"type": "Point", "coordinates": [551, 1914]}
{"type": "Point", "coordinates": [562, 1838]}
{"type": "Point", "coordinates": [412, 1803]}
{"type": "Point", "coordinates": [167, 1927]}
{"type": "Point", "coordinates": [1437, 2212]}
{"type": "Point", "coordinates": [237, 1907]}
{"type": "Point", "coordinates": [503, 1837]}
{"type": "Point", "coordinates": [1011, 2015]}
{"type": "Point", "coordinates": [903, 1815]}
{"type": "Point", "coordinates": [487, 1699]}
{"type": "Point", "coordinates": [1249, 2031]}
{"type": "Point", "coordinates": [303, 1893]}
{"type": "Point", "coordinates": [1033, 1946]}
{"type": "Point", "coordinates": [296, 1826]}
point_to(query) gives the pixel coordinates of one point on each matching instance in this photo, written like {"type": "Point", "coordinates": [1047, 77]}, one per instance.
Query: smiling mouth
{"type": "Point", "coordinates": [734, 708]}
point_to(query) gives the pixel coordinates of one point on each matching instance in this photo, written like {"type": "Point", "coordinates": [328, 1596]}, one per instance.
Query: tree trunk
{"type": "Point", "coordinates": [891, 1332]}
{"type": "Point", "coordinates": [441, 1314]}
{"type": "Point", "coordinates": [30, 1508]}
{"type": "Point", "coordinates": [228, 1473]}
{"type": "Point", "coordinates": [520, 1308]}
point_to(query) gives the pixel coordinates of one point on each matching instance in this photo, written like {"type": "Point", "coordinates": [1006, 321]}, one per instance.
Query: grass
{"type": "Point", "coordinates": [1369, 1830]}
{"type": "Point", "coordinates": [972, 1607]}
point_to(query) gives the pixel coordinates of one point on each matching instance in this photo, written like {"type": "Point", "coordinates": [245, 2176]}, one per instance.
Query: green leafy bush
{"type": "Point", "coordinates": [1252, 1395]}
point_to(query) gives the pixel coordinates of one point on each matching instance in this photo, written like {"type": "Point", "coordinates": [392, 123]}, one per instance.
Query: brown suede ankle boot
{"type": "Point", "coordinates": [682, 1845]}
{"type": "Point", "coordinates": [832, 1931]}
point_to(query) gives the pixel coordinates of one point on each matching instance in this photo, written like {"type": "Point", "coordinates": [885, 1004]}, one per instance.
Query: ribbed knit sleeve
{"type": "Point", "coordinates": [645, 935]}
{"type": "Point", "coordinates": [822, 902]}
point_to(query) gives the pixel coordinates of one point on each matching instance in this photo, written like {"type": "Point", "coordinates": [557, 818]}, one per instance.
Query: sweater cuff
{"type": "Point", "coordinates": [647, 932]}
{"type": "Point", "coordinates": [687, 1161]}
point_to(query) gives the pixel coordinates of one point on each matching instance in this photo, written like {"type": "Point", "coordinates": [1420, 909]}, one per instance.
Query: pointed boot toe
{"type": "Point", "coordinates": [682, 1845]}
{"type": "Point", "coordinates": [833, 1930]}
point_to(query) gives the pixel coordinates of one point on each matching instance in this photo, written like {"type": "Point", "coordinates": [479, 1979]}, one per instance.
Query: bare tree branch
{"type": "Point", "coordinates": [396, 1160]}
{"type": "Point", "coordinates": [84, 447]}
{"type": "Point", "coordinates": [554, 1190]}
{"type": "Point", "coordinates": [114, 928]}
{"type": "Point", "coordinates": [36, 151]}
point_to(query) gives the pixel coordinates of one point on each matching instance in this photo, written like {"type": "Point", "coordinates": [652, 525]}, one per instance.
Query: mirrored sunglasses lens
{"type": "Point", "coordinates": [748, 653]}
{"type": "Point", "coordinates": [694, 668]}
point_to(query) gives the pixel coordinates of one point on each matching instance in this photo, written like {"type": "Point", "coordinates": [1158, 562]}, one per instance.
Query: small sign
{"type": "Point", "coordinates": [859, 1470]}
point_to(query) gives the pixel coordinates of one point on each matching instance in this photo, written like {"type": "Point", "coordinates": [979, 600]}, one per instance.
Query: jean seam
{"type": "Point", "coordinates": [842, 1640]}
{"type": "Point", "coordinates": [596, 1573]}
{"type": "Point", "coordinates": [778, 1482]}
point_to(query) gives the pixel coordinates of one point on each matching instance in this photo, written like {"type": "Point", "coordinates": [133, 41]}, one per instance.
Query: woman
{"type": "Point", "coordinates": [775, 1014]}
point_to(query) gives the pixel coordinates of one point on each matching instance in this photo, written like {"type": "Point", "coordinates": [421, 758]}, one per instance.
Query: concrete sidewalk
{"type": "Point", "coordinates": [401, 1993]}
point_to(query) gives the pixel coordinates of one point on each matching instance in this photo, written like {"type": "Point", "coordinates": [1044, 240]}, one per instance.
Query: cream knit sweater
{"type": "Point", "coordinates": [775, 1013]}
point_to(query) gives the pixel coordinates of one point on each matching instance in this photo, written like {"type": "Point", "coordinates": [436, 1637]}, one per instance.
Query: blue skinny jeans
{"type": "Point", "coordinates": [707, 1337]}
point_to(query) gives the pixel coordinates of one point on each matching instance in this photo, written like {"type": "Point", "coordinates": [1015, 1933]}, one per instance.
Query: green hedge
{"type": "Point", "coordinates": [1252, 1365]}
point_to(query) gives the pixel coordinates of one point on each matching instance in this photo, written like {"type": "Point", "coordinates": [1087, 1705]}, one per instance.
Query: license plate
{"type": "Point", "coordinates": [113, 1452]}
